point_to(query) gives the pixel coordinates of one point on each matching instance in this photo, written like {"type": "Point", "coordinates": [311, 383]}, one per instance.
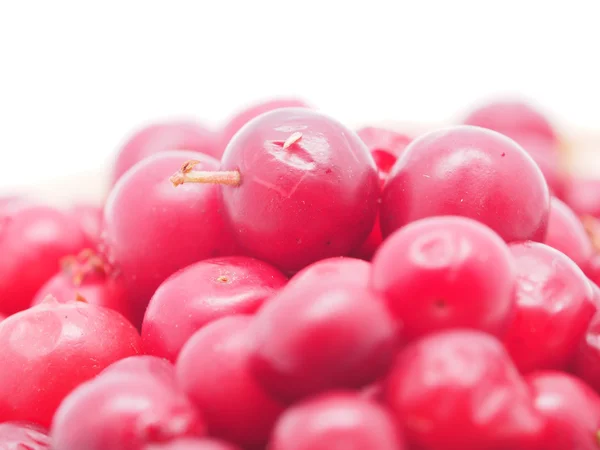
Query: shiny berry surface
{"type": "Point", "coordinates": [583, 196]}
{"type": "Point", "coordinates": [553, 307]}
{"type": "Point", "coordinates": [586, 362]}
{"type": "Point", "coordinates": [193, 444]}
{"type": "Point", "coordinates": [472, 172]}
{"type": "Point", "coordinates": [333, 271]}
{"type": "Point", "coordinates": [201, 293]}
{"type": "Point", "coordinates": [336, 420]}
{"type": "Point", "coordinates": [23, 436]}
{"type": "Point", "coordinates": [435, 273]}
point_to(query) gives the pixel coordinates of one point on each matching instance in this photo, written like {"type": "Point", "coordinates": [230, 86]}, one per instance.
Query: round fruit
{"type": "Point", "coordinates": [312, 337]}
{"type": "Point", "coordinates": [336, 420]}
{"type": "Point", "coordinates": [586, 363]}
{"type": "Point", "coordinates": [193, 444]}
{"type": "Point", "coordinates": [583, 196]}
{"type": "Point", "coordinates": [201, 293]}
{"type": "Point", "coordinates": [297, 187]}
{"type": "Point", "coordinates": [213, 370]}
{"type": "Point", "coordinates": [472, 172]}
{"type": "Point", "coordinates": [49, 349]}
{"type": "Point", "coordinates": [165, 136]}
{"type": "Point", "coordinates": [152, 230]}
{"type": "Point", "coordinates": [554, 305]}
{"type": "Point", "coordinates": [458, 389]}
{"type": "Point", "coordinates": [33, 239]}
{"type": "Point", "coordinates": [435, 273]}
{"type": "Point", "coordinates": [23, 436]}
{"type": "Point", "coordinates": [333, 271]}
{"type": "Point", "coordinates": [142, 366]}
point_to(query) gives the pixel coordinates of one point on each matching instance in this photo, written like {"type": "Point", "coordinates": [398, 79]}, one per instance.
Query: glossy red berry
{"type": "Point", "coordinates": [583, 196]}
{"type": "Point", "coordinates": [33, 239]}
{"type": "Point", "coordinates": [336, 420]}
{"type": "Point", "coordinates": [297, 187]}
{"type": "Point", "coordinates": [193, 444]}
{"type": "Point", "coordinates": [125, 408]}
{"type": "Point", "coordinates": [142, 366]}
{"type": "Point", "coordinates": [435, 273]}
{"type": "Point", "coordinates": [458, 389]}
{"type": "Point", "coordinates": [567, 234]}
{"type": "Point", "coordinates": [586, 361]}
{"type": "Point", "coordinates": [151, 230]}
{"type": "Point", "coordinates": [201, 293]}
{"type": "Point", "coordinates": [570, 408]}
{"type": "Point", "coordinates": [472, 172]}
{"type": "Point", "coordinates": [165, 136]}
{"type": "Point", "coordinates": [23, 436]}
{"type": "Point", "coordinates": [49, 349]}
{"type": "Point", "coordinates": [554, 305]}
{"type": "Point", "coordinates": [245, 115]}
{"type": "Point", "coordinates": [333, 271]}
{"type": "Point", "coordinates": [213, 370]}
{"type": "Point", "coordinates": [312, 337]}
{"type": "Point", "coordinates": [89, 218]}
{"type": "Point", "coordinates": [512, 118]}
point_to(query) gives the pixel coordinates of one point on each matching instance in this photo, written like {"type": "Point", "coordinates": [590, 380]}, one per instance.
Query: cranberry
{"type": "Point", "coordinates": [339, 269]}
{"type": "Point", "coordinates": [512, 118]}
{"type": "Point", "coordinates": [458, 389]}
{"type": "Point", "coordinates": [49, 349]}
{"type": "Point", "coordinates": [297, 187]}
{"type": "Point", "coordinates": [586, 363]}
{"type": "Point", "coordinates": [435, 273]}
{"type": "Point", "coordinates": [164, 136]}
{"type": "Point", "coordinates": [201, 293]}
{"type": "Point", "coordinates": [567, 234]}
{"type": "Point", "coordinates": [152, 230]}
{"type": "Point", "coordinates": [336, 420]}
{"type": "Point", "coordinates": [23, 436]}
{"type": "Point", "coordinates": [554, 304]}
{"type": "Point", "coordinates": [570, 408]}
{"type": "Point", "coordinates": [213, 370]}
{"type": "Point", "coordinates": [142, 366]}
{"type": "Point", "coordinates": [245, 115]}
{"type": "Point", "coordinates": [472, 172]}
{"type": "Point", "coordinates": [130, 410]}
{"type": "Point", "coordinates": [86, 276]}
{"type": "Point", "coordinates": [89, 218]}
{"type": "Point", "coordinates": [311, 337]}
{"type": "Point", "coordinates": [33, 238]}
{"type": "Point", "coordinates": [193, 444]}
{"type": "Point", "coordinates": [583, 196]}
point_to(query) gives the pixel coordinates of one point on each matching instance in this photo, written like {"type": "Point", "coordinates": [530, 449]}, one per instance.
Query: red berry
{"type": "Point", "coordinates": [23, 436]}
{"type": "Point", "coordinates": [586, 363]}
{"type": "Point", "coordinates": [472, 172]}
{"type": "Point", "coordinates": [336, 270]}
{"type": "Point", "coordinates": [567, 234]}
{"type": "Point", "coordinates": [129, 410]}
{"type": "Point", "coordinates": [89, 218]}
{"type": "Point", "coordinates": [213, 370]}
{"type": "Point", "coordinates": [201, 293]}
{"type": "Point", "coordinates": [554, 305]}
{"type": "Point", "coordinates": [244, 116]}
{"type": "Point", "coordinates": [193, 444]}
{"type": "Point", "coordinates": [336, 421]}
{"type": "Point", "coordinates": [312, 337]}
{"type": "Point", "coordinates": [33, 238]}
{"type": "Point", "coordinates": [297, 187]}
{"type": "Point", "coordinates": [583, 196]}
{"type": "Point", "coordinates": [512, 118]}
{"type": "Point", "coordinates": [151, 230]}
{"type": "Point", "coordinates": [458, 389]}
{"type": "Point", "coordinates": [49, 349]}
{"type": "Point", "coordinates": [142, 366]}
{"type": "Point", "coordinates": [435, 273]}
{"type": "Point", "coordinates": [166, 136]}
{"type": "Point", "coordinates": [571, 410]}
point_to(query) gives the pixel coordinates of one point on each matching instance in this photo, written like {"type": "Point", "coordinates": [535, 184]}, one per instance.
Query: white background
{"type": "Point", "coordinates": [77, 76]}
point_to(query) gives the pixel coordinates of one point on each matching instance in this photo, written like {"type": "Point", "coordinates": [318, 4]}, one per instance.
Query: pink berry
{"type": "Point", "coordinates": [339, 269]}
{"type": "Point", "coordinates": [49, 349]}
{"type": "Point", "coordinates": [33, 239]}
{"type": "Point", "coordinates": [583, 196]}
{"type": "Point", "coordinates": [297, 187]}
{"type": "Point", "coordinates": [245, 115]}
{"type": "Point", "coordinates": [201, 293]}
{"type": "Point", "coordinates": [23, 436]}
{"type": "Point", "coordinates": [89, 218]}
{"type": "Point", "coordinates": [142, 366]}
{"type": "Point", "coordinates": [213, 370]}
{"type": "Point", "coordinates": [567, 234]}
{"type": "Point", "coordinates": [554, 305]}
{"type": "Point", "coordinates": [512, 118]}
{"type": "Point", "coordinates": [570, 408]}
{"type": "Point", "coordinates": [336, 421]}
{"type": "Point", "coordinates": [458, 389]}
{"type": "Point", "coordinates": [472, 172]}
{"type": "Point", "coordinates": [193, 444]}
{"type": "Point", "coordinates": [165, 136]}
{"type": "Point", "coordinates": [586, 362]}
{"type": "Point", "coordinates": [436, 273]}
{"type": "Point", "coordinates": [151, 230]}
{"type": "Point", "coordinates": [312, 337]}
{"type": "Point", "coordinates": [124, 409]}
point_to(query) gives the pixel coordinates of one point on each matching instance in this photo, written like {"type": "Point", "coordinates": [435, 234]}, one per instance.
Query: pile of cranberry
{"type": "Point", "coordinates": [290, 284]}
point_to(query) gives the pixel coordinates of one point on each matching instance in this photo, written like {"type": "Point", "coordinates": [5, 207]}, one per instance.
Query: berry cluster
{"type": "Point", "coordinates": [290, 284]}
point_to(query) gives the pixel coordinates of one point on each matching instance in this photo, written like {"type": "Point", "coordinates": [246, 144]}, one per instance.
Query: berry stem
{"type": "Point", "coordinates": [295, 137]}
{"type": "Point", "coordinates": [187, 175]}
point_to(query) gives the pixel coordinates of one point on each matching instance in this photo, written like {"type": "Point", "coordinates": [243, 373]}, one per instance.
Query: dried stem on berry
{"type": "Point", "coordinates": [187, 174]}
{"type": "Point", "coordinates": [295, 137]}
